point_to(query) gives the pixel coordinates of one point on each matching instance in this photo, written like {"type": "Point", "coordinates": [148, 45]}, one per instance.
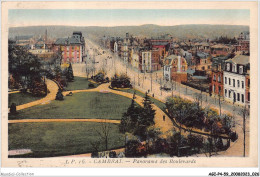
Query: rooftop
{"type": "Point", "coordinates": [67, 41]}
{"type": "Point", "coordinates": [219, 46]}
{"type": "Point", "coordinates": [160, 43]}
{"type": "Point", "coordinates": [202, 54]}
{"type": "Point", "coordinates": [239, 59]}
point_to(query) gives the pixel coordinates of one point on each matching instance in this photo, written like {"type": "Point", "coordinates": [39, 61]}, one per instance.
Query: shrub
{"type": "Point", "coordinates": [131, 148]}
{"type": "Point", "coordinates": [13, 108]}
{"type": "Point", "coordinates": [233, 136]}
{"type": "Point", "coordinates": [91, 85]}
{"type": "Point", "coordinates": [94, 154]}
{"type": "Point", "coordinates": [121, 81]}
{"type": "Point", "coordinates": [112, 154]}
{"type": "Point", "coordinates": [59, 95]}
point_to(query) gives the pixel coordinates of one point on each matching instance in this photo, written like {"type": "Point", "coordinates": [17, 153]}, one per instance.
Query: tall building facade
{"type": "Point", "coordinates": [235, 74]}
{"type": "Point", "coordinates": [72, 48]}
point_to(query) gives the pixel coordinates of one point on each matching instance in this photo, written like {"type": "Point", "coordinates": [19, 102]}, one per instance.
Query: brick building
{"type": "Point", "coordinates": [217, 85]}
{"type": "Point", "coordinates": [175, 68]}
{"type": "Point", "coordinates": [71, 48]}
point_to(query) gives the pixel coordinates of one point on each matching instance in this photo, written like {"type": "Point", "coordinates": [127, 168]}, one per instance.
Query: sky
{"type": "Point", "coordinates": [126, 17]}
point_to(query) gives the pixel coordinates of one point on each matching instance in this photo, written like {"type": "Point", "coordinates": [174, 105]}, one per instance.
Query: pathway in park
{"type": "Point", "coordinates": [165, 126]}
{"type": "Point", "coordinates": [53, 88]}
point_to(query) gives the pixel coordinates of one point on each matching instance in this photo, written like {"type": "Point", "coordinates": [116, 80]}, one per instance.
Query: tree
{"type": "Point", "coordinates": [59, 95]}
{"type": "Point", "coordinates": [13, 108]}
{"type": "Point", "coordinates": [130, 117]}
{"type": "Point", "coordinates": [195, 141]}
{"type": "Point", "coordinates": [148, 113]}
{"type": "Point", "coordinates": [69, 74]}
{"type": "Point", "coordinates": [105, 132]}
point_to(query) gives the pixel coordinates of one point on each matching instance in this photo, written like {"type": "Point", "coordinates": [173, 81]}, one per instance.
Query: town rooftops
{"type": "Point", "coordinates": [239, 59]}
{"type": "Point", "coordinates": [168, 60]}
{"type": "Point", "coordinates": [77, 33]}
{"type": "Point", "coordinates": [202, 55]}
{"type": "Point", "coordinates": [219, 46]}
{"type": "Point", "coordinates": [160, 43]}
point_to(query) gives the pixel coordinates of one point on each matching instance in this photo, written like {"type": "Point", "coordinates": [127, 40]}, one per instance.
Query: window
{"type": "Point", "coordinates": [229, 94]}
{"type": "Point", "coordinates": [238, 83]}
{"type": "Point", "coordinates": [219, 89]}
{"type": "Point", "coordinates": [214, 77]}
{"type": "Point", "coordinates": [228, 66]}
{"type": "Point", "coordinates": [225, 80]}
{"type": "Point", "coordinates": [248, 82]}
{"type": "Point", "coordinates": [214, 88]}
{"type": "Point", "coordinates": [234, 83]}
{"type": "Point", "coordinates": [219, 79]}
{"type": "Point", "coordinates": [242, 83]}
{"type": "Point", "coordinates": [242, 96]}
{"type": "Point", "coordinates": [208, 67]}
{"type": "Point", "coordinates": [240, 69]}
{"type": "Point", "coordinates": [225, 92]}
{"type": "Point", "coordinates": [234, 68]}
{"type": "Point", "coordinates": [229, 81]}
{"type": "Point", "coordinates": [238, 97]}
{"type": "Point", "coordinates": [248, 96]}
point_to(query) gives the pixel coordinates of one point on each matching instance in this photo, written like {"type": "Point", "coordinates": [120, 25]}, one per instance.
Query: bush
{"type": "Point", "coordinates": [112, 154]}
{"type": "Point", "coordinates": [233, 136]}
{"type": "Point", "coordinates": [120, 81]}
{"type": "Point", "coordinates": [59, 95]}
{"type": "Point", "coordinates": [100, 77]}
{"type": "Point", "coordinates": [94, 154]}
{"type": "Point", "coordinates": [13, 108]}
{"type": "Point", "coordinates": [131, 148]}
{"type": "Point", "coordinates": [39, 89]}
{"type": "Point", "coordinates": [91, 85]}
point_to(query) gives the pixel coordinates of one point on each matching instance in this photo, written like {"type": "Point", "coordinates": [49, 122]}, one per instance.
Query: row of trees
{"type": "Point", "coordinates": [226, 40]}
{"type": "Point", "coordinates": [191, 115]}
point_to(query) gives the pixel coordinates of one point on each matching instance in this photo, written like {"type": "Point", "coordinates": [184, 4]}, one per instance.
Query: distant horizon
{"type": "Point", "coordinates": [126, 17]}
{"type": "Point", "coordinates": [125, 25]}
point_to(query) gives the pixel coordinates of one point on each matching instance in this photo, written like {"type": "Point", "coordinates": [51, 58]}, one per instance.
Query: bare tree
{"type": "Point", "coordinates": [105, 132]}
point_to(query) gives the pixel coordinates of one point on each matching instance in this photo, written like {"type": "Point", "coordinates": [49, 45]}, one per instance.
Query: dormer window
{"type": "Point", "coordinates": [241, 70]}
{"type": "Point", "coordinates": [228, 66]}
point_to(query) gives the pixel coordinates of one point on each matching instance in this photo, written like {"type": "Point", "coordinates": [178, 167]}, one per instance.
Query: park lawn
{"type": "Point", "coordinates": [21, 98]}
{"type": "Point", "coordinates": [158, 103]}
{"type": "Point", "coordinates": [61, 138]}
{"type": "Point", "coordinates": [91, 105]}
{"type": "Point", "coordinates": [79, 83]}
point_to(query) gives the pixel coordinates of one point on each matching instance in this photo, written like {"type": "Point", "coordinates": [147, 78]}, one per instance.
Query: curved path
{"type": "Point", "coordinates": [164, 126]}
{"type": "Point", "coordinates": [53, 88]}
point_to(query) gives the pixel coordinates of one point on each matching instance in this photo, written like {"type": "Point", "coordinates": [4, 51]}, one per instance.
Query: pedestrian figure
{"type": "Point", "coordinates": [163, 117]}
